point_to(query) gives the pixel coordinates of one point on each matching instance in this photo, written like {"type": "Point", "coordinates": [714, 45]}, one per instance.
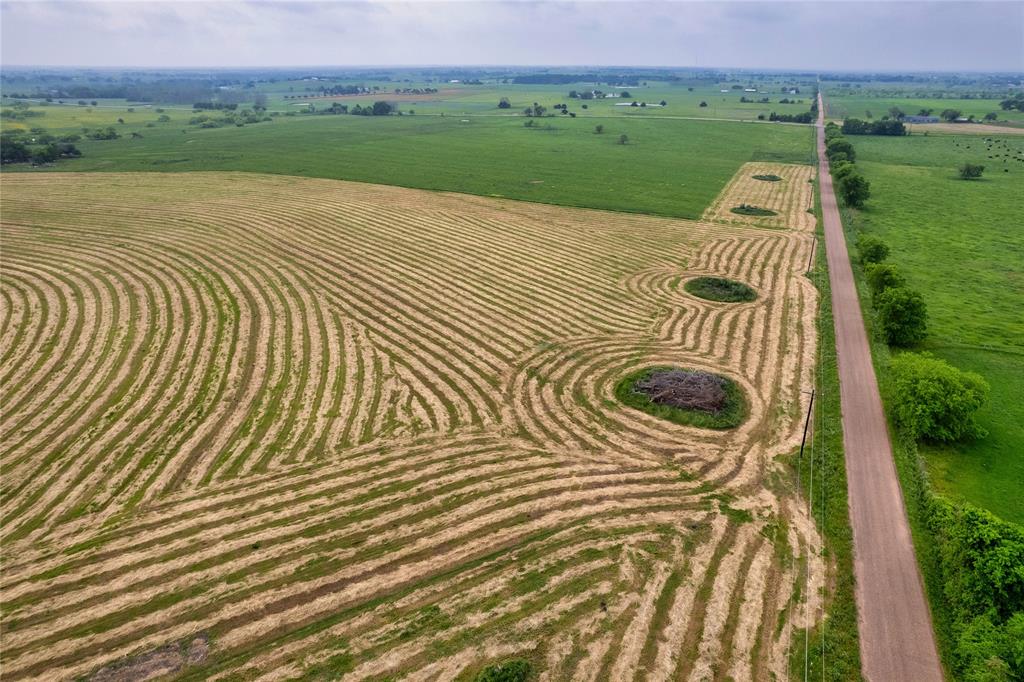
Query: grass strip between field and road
{"type": "Point", "coordinates": [830, 651]}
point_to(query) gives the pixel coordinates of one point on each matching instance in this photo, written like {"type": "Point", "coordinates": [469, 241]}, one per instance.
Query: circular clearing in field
{"type": "Point", "coordinates": [747, 209]}
{"type": "Point", "coordinates": [720, 289]}
{"type": "Point", "coordinates": [768, 177]}
{"type": "Point", "coordinates": [691, 397]}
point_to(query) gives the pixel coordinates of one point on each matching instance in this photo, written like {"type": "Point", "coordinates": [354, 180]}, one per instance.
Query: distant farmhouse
{"type": "Point", "coordinates": [920, 119]}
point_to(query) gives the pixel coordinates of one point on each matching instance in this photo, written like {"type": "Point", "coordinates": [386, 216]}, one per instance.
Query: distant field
{"type": "Point", "coordinates": [305, 428]}
{"type": "Point", "coordinates": [961, 245]}
{"type": "Point", "coordinates": [669, 167]}
{"type": "Point", "coordinates": [841, 106]}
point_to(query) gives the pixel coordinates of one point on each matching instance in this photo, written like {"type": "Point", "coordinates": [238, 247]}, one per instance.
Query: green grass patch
{"type": "Point", "coordinates": [768, 177]}
{"type": "Point", "coordinates": [720, 289]}
{"type": "Point", "coordinates": [731, 415]}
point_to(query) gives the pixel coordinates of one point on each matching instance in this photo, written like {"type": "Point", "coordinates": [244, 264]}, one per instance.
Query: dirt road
{"type": "Point", "coordinates": [896, 638]}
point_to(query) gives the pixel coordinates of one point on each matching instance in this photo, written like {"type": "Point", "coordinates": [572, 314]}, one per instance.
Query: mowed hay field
{"type": "Point", "coordinates": [791, 197]}
{"type": "Point", "coordinates": [298, 428]}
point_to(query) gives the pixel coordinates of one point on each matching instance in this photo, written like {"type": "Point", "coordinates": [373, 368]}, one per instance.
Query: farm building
{"type": "Point", "coordinates": [920, 119]}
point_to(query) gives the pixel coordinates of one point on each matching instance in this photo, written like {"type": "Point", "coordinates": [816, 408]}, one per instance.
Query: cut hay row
{"type": "Point", "coordinates": [791, 198]}
{"type": "Point", "coordinates": [331, 428]}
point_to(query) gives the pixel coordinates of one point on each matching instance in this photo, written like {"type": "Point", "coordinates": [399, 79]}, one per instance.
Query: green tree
{"type": "Point", "coordinates": [855, 189]}
{"type": "Point", "coordinates": [902, 316]}
{"type": "Point", "coordinates": [936, 401]}
{"type": "Point", "coordinates": [599, 129]}
{"type": "Point", "coordinates": [991, 116]}
{"type": "Point", "coordinates": [970, 171]}
{"type": "Point", "coordinates": [837, 145]}
{"type": "Point", "coordinates": [842, 168]}
{"type": "Point", "coordinates": [950, 115]}
{"type": "Point", "coordinates": [882, 276]}
{"type": "Point", "coordinates": [871, 249]}
{"type": "Point", "coordinates": [503, 103]}
{"type": "Point", "coordinates": [623, 138]}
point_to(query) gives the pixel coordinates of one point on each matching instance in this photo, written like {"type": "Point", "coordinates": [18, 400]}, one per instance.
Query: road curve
{"type": "Point", "coordinates": [896, 638]}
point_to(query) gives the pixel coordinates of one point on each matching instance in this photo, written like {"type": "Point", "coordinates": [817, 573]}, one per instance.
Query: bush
{"type": "Point", "coordinates": [719, 289]}
{"type": "Point", "coordinates": [882, 276]}
{"type": "Point", "coordinates": [970, 171]}
{"type": "Point", "coordinates": [747, 209]}
{"type": "Point", "coordinates": [516, 670]}
{"type": "Point", "coordinates": [982, 561]}
{"type": "Point", "coordinates": [871, 249]}
{"type": "Point", "coordinates": [902, 316]}
{"type": "Point", "coordinates": [936, 401]}
{"type": "Point", "coordinates": [503, 103]}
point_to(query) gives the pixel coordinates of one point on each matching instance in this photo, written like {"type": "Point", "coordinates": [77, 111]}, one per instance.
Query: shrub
{"type": "Point", "coordinates": [769, 177]}
{"type": "Point", "coordinates": [719, 289]}
{"type": "Point", "coordinates": [882, 276]}
{"type": "Point", "coordinates": [623, 138]}
{"type": "Point", "coordinates": [871, 249]}
{"type": "Point", "coordinates": [936, 401]}
{"type": "Point", "coordinates": [902, 316]}
{"type": "Point", "coordinates": [503, 103]}
{"type": "Point", "coordinates": [516, 670]}
{"type": "Point", "coordinates": [983, 582]}
{"type": "Point", "coordinates": [747, 209]}
{"type": "Point", "coordinates": [970, 171]}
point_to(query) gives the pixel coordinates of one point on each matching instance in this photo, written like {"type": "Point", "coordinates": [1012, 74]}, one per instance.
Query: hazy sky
{"type": "Point", "coordinates": [861, 35]}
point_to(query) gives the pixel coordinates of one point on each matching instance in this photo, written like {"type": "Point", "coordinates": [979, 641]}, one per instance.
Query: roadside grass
{"type": "Point", "coordinates": [959, 243]}
{"type": "Point", "coordinates": [833, 647]}
{"type": "Point", "coordinates": [669, 167]}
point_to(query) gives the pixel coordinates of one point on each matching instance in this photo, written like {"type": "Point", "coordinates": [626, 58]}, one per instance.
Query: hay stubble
{"type": "Point", "coordinates": [296, 415]}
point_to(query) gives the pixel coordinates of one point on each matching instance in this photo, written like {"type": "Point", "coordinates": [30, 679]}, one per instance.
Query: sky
{"type": "Point", "coordinates": [869, 35]}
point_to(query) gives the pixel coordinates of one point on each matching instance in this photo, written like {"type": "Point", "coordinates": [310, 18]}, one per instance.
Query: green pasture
{"type": "Point", "coordinates": [669, 167]}
{"type": "Point", "coordinates": [960, 243]}
{"type": "Point", "coordinates": [857, 105]}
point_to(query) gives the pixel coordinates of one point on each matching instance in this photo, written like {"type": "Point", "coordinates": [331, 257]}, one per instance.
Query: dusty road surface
{"type": "Point", "coordinates": [896, 638]}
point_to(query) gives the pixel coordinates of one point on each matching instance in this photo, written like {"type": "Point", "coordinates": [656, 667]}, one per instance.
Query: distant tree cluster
{"type": "Point", "coordinates": [535, 111]}
{"type": "Point", "coordinates": [215, 106]}
{"type": "Point", "coordinates": [37, 150]}
{"type": "Point", "coordinates": [804, 117]}
{"type": "Point", "coordinates": [1014, 102]}
{"type": "Point", "coordinates": [885, 126]}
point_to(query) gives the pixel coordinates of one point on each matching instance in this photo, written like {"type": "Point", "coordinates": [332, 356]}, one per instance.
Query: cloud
{"type": "Point", "coordinates": [930, 36]}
